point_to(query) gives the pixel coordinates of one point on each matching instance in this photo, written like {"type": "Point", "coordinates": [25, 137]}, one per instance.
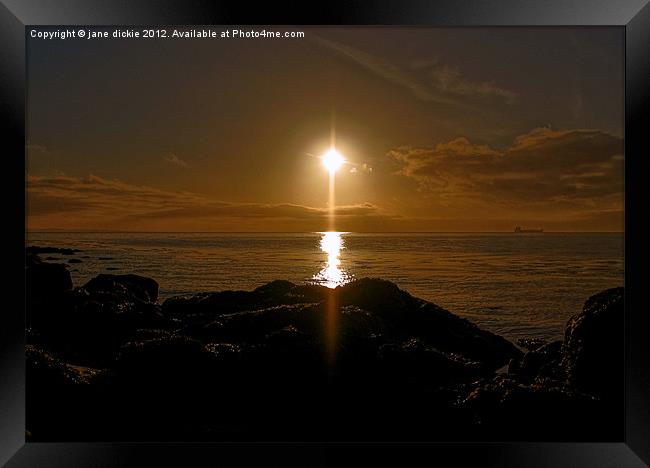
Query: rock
{"type": "Point", "coordinates": [218, 303]}
{"type": "Point", "coordinates": [144, 334]}
{"type": "Point", "coordinates": [90, 323]}
{"type": "Point", "coordinates": [589, 357]}
{"type": "Point", "coordinates": [224, 350]}
{"type": "Point", "coordinates": [289, 354]}
{"type": "Point", "coordinates": [275, 288]}
{"type": "Point", "coordinates": [89, 331]}
{"type": "Point", "coordinates": [543, 361]}
{"type": "Point", "coordinates": [578, 381]}
{"type": "Point", "coordinates": [360, 308]}
{"type": "Point", "coordinates": [44, 370]}
{"type": "Point", "coordinates": [379, 296]}
{"type": "Point", "coordinates": [225, 302]}
{"type": "Point", "coordinates": [255, 326]}
{"type": "Point", "coordinates": [46, 286]}
{"type": "Point", "coordinates": [161, 352]}
{"type": "Point", "coordinates": [512, 408]}
{"type": "Point", "coordinates": [74, 260]}
{"type": "Point", "coordinates": [288, 361]}
{"type": "Point", "coordinates": [131, 287]}
{"type": "Point", "coordinates": [45, 280]}
{"type": "Point", "coordinates": [41, 250]}
{"type": "Point", "coordinates": [414, 363]}
{"type": "Point", "coordinates": [452, 334]}
{"type": "Point", "coordinates": [593, 345]}
{"type": "Point", "coordinates": [176, 362]}
{"type": "Point", "coordinates": [62, 401]}
{"type": "Point", "coordinates": [412, 317]}
{"type": "Point", "coordinates": [531, 343]}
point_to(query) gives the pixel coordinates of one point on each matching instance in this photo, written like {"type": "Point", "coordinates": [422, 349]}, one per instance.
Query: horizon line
{"type": "Point", "coordinates": [92, 231]}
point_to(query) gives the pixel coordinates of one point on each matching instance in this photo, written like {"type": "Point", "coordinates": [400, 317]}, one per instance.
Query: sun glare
{"type": "Point", "coordinates": [332, 160]}
{"type": "Point", "coordinates": [332, 275]}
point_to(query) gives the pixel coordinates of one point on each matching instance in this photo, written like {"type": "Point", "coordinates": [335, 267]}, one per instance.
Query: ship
{"type": "Point", "coordinates": [520, 230]}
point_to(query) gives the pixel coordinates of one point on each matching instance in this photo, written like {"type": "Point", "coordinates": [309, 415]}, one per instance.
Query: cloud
{"type": "Point", "coordinates": [174, 160]}
{"type": "Point", "coordinates": [258, 210]}
{"type": "Point", "coordinates": [565, 168]}
{"type": "Point", "coordinates": [380, 67]}
{"type": "Point", "coordinates": [427, 80]}
{"type": "Point", "coordinates": [365, 167]}
{"type": "Point", "coordinates": [449, 79]}
{"type": "Point", "coordinates": [64, 202]}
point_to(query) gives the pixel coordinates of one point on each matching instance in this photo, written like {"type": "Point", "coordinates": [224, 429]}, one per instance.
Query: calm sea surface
{"type": "Point", "coordinates": [517, 285]}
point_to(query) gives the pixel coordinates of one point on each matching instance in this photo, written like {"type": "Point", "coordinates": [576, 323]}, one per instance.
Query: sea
{"type": "Point", "coordinates": [516, 285]}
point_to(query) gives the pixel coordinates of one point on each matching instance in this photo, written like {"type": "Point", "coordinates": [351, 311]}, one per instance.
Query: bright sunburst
{"type": "Point", "coordinates": [332, 160]}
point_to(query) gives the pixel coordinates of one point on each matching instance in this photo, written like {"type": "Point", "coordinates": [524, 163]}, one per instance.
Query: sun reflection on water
{"type": "Point", "coordinates": [332, 275]}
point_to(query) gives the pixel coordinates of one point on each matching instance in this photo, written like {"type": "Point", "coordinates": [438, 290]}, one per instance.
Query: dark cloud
{"type": "Point", "coordinates": [544, 166]}
{"type": "Point", "coordinates": [87, 201]}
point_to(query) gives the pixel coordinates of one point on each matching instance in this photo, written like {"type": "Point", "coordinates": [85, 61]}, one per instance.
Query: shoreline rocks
{"type": "Point", "coordinates": [581, 376]}
{"type": "Point", "coordinates": [132, 287]}
{"type": "Point", "coordinates": [44, 279]}
{"type": "Point", "coordinates": [366, 361]}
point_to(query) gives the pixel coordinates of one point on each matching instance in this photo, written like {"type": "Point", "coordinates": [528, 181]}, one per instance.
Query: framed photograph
{"type": "Point", "coordinates": [351, 233]}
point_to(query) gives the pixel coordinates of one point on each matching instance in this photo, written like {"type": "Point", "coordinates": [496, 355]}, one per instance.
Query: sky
{"type": "Point", "coordinates": [445, 129]}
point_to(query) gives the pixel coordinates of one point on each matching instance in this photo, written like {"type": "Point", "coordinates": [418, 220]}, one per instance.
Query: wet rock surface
{"type": "Point", "coordinates": [44, 279]}
{"type": "Point", "coordinates": [364, 361]}
{"type": "Point", "coordinates": [578, 381]}
{"type": "Point", "coordinates": [530, 344]}
{"type": "Point", "coordinates": [593, 345]}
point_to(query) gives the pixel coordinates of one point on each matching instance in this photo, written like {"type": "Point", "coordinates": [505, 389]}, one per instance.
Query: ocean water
{"type": "Point", "coordinates": [517, 285]}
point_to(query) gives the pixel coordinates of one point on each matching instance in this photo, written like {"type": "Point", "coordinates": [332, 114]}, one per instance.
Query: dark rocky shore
{"type": "Point", "coordinates": [365, 361]}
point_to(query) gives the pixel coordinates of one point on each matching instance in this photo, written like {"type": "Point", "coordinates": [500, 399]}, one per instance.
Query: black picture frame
{"type": "Point", "coordinates": [631, 15]}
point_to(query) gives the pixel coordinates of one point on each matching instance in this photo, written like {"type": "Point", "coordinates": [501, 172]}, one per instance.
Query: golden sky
{"type": "Point", "coordinates": [476, 129]}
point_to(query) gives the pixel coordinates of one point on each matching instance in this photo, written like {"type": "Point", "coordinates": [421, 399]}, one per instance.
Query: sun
{"type": "Point", "coordinates": [332, 160]}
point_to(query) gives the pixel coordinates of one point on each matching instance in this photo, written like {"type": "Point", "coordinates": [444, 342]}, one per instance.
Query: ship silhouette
{"type": "Point", "coordinates": [520, 230]}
